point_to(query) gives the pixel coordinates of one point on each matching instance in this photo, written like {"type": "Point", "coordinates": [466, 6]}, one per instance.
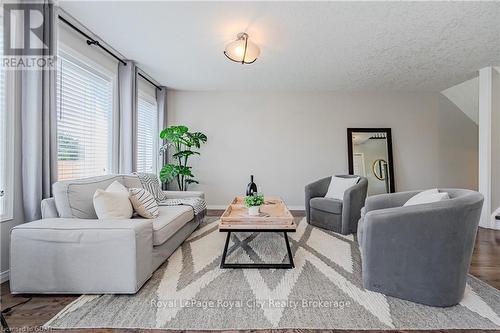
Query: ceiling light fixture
{"type": "Point", "coordinates": [242, 50]}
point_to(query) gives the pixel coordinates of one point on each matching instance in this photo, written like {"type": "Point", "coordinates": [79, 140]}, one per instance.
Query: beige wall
{"type": "Point", "coordinates": [290, 139]}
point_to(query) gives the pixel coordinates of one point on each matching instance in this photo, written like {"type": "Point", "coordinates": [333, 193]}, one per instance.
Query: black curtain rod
{"type": "Point", "coordinates": [151, 82]}
{"type": "Point", "coordinates": [92, 41]}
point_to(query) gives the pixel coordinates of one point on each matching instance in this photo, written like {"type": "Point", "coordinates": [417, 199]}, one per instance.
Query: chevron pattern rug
{"type": "Point", "coordinates": [323, 291]}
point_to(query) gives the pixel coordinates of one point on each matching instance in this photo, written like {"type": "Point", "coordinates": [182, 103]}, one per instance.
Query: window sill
{"type": "Point", "coordinates": [6, 218]}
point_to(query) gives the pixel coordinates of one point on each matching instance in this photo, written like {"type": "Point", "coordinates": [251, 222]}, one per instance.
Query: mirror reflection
{"type": "Point", "coordinates": [370, 157]}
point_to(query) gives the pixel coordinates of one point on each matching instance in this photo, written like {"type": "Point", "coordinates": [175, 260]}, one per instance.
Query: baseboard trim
{"type": "Point", "coordinates": [216, 207]}
{"type": "Point", "coordinates": [4, 276]}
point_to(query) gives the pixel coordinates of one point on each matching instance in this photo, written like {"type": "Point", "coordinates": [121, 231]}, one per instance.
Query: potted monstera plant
{"type": "Point", "coordinates": [182, 144]}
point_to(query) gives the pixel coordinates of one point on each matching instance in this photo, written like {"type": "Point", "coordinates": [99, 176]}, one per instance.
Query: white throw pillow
{"type": "Point", "coordinates": [113, 203]}
{"type": "Point", "coordinates": [144, 203]}
{"type": "Point", "coordinates": [428, 196]}
{"type": "Point", "coordinates": [339, 185]}
{"type": "Point", "coordinates": [116, 186]}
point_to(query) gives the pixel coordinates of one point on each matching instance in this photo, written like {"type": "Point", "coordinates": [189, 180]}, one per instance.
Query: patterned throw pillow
{"type": "Point", "coordinates": [144, 203]}
{"type": "Point", "coordinates": [150, 183]}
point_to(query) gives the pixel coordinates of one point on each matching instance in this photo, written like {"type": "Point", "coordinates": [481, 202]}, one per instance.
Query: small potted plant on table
{"type": "Point", "coordinates": [253, 203]}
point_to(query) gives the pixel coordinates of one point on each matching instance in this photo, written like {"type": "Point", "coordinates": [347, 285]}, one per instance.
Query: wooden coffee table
{"type": "Point", "coordinates": [274, 217]}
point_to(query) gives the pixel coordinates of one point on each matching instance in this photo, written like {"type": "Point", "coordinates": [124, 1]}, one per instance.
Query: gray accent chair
{"type": "Point", "coordinates": [419, 253]}
{"type": "Point", "coordinates": [332, 214]}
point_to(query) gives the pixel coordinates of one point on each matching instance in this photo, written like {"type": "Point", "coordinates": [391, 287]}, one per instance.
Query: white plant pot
{"type": "Point", "coordinates": [254, 210]}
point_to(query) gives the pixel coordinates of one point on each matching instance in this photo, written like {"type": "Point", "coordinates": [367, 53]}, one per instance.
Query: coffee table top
{"type": "Point", "coordinates": [274, 216]}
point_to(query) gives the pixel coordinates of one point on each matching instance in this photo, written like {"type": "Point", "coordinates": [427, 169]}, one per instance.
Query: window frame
{"type": "Point", "coordinates": [65, 51]}
{"type": "Point", "coordinates": [142, 94]}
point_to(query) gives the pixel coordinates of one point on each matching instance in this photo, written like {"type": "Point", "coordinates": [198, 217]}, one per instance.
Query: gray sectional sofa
{"type": "Point", "coordinates": [419, 253]}
{"type": "Point", "coordinates": [70, 251]}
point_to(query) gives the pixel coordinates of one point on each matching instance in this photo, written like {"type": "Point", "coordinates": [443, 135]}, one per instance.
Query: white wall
{"type": "Point", "coordinates": [290, 139]}
{"type": "Point", "coordinates": [465, 96]}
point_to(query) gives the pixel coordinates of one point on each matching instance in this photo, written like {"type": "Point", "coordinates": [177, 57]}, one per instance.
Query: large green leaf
{"type": "Point", "coordinates": [175, 134]}
{"type": "Point", "coordinates": [200, 136]}
{"type": "Point", "coordinates": [184, 171]}
{"type": "Point", "coordinates": [168, 172]}
{"type": "Point", "coordinates": [191, 181]}
{"type": "Point", "coordinates": [196, 139]}
{"type": "Point", "coordinates": [185, 153]}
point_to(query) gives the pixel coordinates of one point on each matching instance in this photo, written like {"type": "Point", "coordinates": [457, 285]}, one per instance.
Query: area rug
{"type": "Point", "coordinates": [323, 291]}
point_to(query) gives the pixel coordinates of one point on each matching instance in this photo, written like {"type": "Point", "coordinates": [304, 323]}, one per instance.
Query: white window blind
{"type": "Point", "coordinates": [147, 133]}
{"type": "Point", "coordinates": [84, 119]}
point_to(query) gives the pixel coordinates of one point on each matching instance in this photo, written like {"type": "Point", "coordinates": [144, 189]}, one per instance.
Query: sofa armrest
{"type": "Point", "coordinates": [49, 209]}
{"type": "Point", "coordinates": [317, 189]}
{"type": "Point", "coordinates": [184, 194]}
{"type": "Point", "coordinates": [65, 255]}
{"type": "Point", "coordinates": [388, 200]}
{"type": "Point", "coordinates": [354, 201]}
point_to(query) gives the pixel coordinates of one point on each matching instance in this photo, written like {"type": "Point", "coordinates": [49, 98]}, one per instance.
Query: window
{"type": "Point", "coordinates": [84, 119]}
{"type": "Point", "coordinates": [147, 133]}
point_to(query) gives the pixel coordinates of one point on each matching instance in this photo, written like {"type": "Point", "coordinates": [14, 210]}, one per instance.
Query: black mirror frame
{"type": "Point", "coordinates": [387, 131]}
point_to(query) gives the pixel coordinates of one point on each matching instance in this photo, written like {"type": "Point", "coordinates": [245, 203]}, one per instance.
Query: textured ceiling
{"type": "Point", "coordinates": [307, 46]}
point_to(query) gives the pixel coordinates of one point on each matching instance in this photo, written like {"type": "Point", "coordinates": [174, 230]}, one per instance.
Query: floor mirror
{"type": "Point", "coordinates": [370, 156]}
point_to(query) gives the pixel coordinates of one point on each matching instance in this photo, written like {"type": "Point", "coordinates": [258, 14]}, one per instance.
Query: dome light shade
{"type": "Point", "coordinates": [242, 50]}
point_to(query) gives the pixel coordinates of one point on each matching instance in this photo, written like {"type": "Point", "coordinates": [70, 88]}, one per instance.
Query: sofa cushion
{"type": "Point", "coordinates": [170, 220]}
{"type": "Point", "coordinates": [329, 205]}
{"type": "Point", "coordinates": [74, 197]}
{"type": "Point", "coordinates": [69, 225]}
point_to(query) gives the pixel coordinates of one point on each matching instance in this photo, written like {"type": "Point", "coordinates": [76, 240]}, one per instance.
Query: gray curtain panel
{"type": "Point", "coordinates": [161, 102]}
{"type": "Point", "coordinates": [39, 128]}
{"type": "Point", "coordinates": [127, 97]}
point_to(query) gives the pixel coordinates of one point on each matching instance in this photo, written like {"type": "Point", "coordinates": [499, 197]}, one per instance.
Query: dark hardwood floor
{"type": "Point", "coordinates": [485, 263]}
{"type": "Point", "coordinates": [30, 316]}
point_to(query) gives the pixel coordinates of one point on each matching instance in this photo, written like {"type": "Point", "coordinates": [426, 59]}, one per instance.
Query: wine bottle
{"type": "Point", "coordinates": [251, 187]}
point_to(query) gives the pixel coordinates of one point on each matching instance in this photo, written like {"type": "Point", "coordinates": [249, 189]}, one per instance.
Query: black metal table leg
{"type": "Point", "coordinates": [288, 250]}
{"type": "Point", "coordinates": [288, 265]}
{"type": "Point", "coordinates": [224, 253]}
